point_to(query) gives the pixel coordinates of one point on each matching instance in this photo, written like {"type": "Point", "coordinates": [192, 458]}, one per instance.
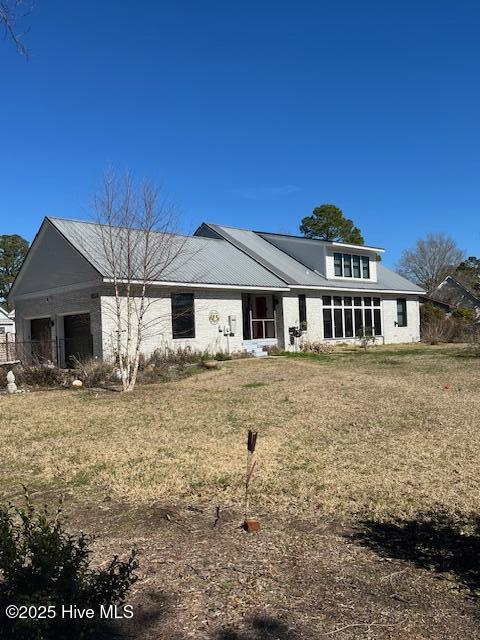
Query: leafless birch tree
{"type": "Point", "coordinates": [139, 247]}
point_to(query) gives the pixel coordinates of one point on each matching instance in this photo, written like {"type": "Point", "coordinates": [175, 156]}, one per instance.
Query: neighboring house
{"type": "Point", "coordinates": [7, 336]}
{"type": "Point", "coordinates": [237, 289]}
{"type": "Point", "coordinates": [7, 321]}
{"type": "Point", "coordinates": [450, 292]}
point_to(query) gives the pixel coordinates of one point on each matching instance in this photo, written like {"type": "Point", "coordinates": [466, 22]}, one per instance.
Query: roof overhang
{"type": "Point", "coordinates": [359, 291]}
{"type": "Point", "coordinates": [196, 285]}
{"type": "Point", "coordinates": [357, 247]}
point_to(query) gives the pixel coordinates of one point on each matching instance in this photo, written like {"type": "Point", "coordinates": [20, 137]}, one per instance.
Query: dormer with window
{"type": "Point", "coordinates": [351, 262]}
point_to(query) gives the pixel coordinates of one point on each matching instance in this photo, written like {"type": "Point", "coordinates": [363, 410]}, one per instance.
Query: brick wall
{"type": "Point", "coordinates": [158, 319]}
{"type": "Point", "coordinates": [391, 333]}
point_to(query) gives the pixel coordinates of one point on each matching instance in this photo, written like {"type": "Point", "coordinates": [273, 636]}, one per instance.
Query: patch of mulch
{"type": "Point", "coordinates": [203, 577]}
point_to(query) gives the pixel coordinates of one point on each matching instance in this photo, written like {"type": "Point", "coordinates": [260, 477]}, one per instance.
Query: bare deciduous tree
{"type": "Point", "coordinates": [431, 260]}
{"type": "Point", "coordinates": [139, 247]}
{"type": "Point", "coordinates": [11, 12]}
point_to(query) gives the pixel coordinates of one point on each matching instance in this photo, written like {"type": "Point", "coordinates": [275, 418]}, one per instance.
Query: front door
{"type": "Point", "coordinates": [260, 312]}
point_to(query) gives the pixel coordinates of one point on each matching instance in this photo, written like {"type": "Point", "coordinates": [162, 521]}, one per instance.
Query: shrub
{"type": "Point", "coordinates": [464, 314]}
{"type": "Point", "coordinates": [365, 336]}
{"type": "Point", "coordinates": [438, 329]}
{"type": "Point", "coordinates": [94, 373]}
{"type": "Point", "coordinates": [317, 347]}
{"type": "Point", "coordinates": [274, 350]}
{"type": "Point", "coordinates": [428, 312]}
{"type": "Point", "coordinates": [222, 355]}
{"type": "Point", "coordinates": [162, 359]}
{"type": "Point", "coordinates": [42, 565]}
{"type": "Point", "coordinates": [37, 375]}
{"type": "Point", "coordinates": [473, 339]}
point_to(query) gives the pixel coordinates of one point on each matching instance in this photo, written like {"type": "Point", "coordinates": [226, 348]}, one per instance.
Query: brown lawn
{"type": "Point", "coordinates": [367, 487]}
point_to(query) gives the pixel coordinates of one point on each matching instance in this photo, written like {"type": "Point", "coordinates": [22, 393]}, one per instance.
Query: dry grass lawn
{"type": "Point", "coordinates": [353, 450]}
{"type": "Point", "coordinates": [352, 434]}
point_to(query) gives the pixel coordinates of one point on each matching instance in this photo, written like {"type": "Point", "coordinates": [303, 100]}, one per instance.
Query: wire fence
{"type": "Point", "coordinates": [61, 352]}
{"type": "Point", "coordinates": [8, 352]}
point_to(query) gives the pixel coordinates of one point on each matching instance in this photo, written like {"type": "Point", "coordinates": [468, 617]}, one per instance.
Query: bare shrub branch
{"type": "Point", "coordinates": [11, 12]}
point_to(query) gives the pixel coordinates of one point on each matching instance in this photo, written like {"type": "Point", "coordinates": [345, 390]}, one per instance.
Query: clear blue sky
{"type": "Point", "coordinates": [250, 113]}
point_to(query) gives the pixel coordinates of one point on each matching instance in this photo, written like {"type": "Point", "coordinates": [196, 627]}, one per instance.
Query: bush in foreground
{"type": "Point", "coordinates": [41, 565]}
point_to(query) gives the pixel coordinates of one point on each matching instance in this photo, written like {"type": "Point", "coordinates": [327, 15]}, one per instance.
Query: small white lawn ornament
{"type": "Point", "coordinates": [11, 386]}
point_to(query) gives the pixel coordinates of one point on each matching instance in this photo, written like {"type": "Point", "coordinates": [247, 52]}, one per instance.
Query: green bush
{"type": "Point", "coordinates": [429, 312]}
{"type": "Point", "coordinates": [222, 355]}
{"type": "Point", "coordinates": [464, 314]}
{"type": "Point", "coordinates": [42, 565]}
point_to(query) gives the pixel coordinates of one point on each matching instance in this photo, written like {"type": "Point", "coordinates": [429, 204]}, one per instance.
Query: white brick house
{"type": "Point", "coordinates": [238, 290]}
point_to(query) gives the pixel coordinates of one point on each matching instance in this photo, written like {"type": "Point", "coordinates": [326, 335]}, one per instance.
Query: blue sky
{"type": "Point", "coordinates": [250, 113]}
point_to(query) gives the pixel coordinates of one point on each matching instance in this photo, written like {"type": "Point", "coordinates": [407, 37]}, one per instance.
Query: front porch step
{"type": "Point", "coordinates": [256, 347]}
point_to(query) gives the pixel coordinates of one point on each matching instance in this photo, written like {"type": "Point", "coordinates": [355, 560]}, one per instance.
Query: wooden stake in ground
{"type": "Point", "coordinates": [250, 524]}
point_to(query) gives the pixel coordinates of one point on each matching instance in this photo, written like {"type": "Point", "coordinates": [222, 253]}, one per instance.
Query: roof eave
{"type": "Point", "coordinates": [346, 245]}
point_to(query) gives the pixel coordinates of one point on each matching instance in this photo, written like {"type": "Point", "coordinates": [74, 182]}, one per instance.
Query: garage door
{"type": "Point", "coordinates": [78, 338]}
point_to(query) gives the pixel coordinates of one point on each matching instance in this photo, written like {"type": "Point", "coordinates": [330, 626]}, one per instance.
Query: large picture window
{"type": "Point", "coordinates": [347, 317]}
{"type": "Point", "coordinates": [183, 315]}
{"type": "Point", "coordinates": [346, 265]}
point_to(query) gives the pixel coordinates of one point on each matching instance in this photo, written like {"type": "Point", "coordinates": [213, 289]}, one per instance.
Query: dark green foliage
{"type": "Point", "coordinates": [41, 564]}
{"type": "Point", "coordinates": [464, 314]}
{"type": "Point", "coordinates": [328, 222]}
{"type": "Point", "coordinates": [428, 312]}
{"type": "Point", "coordinates": [221, 355]}
{"type": "Point", "coordinates": [468, 274]}
{"type": "Point", "coordinates": [13, 250]}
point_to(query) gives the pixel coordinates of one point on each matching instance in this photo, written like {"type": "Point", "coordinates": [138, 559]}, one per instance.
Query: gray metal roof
{"type": "Point", "coordinates": [221, 255]}
{"type": "Point", "coordinates": [300, 261]}
{"type": "Point", "coordinates": [191, 259]}
{"type": "Point", "coordinates": [274, 259]}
